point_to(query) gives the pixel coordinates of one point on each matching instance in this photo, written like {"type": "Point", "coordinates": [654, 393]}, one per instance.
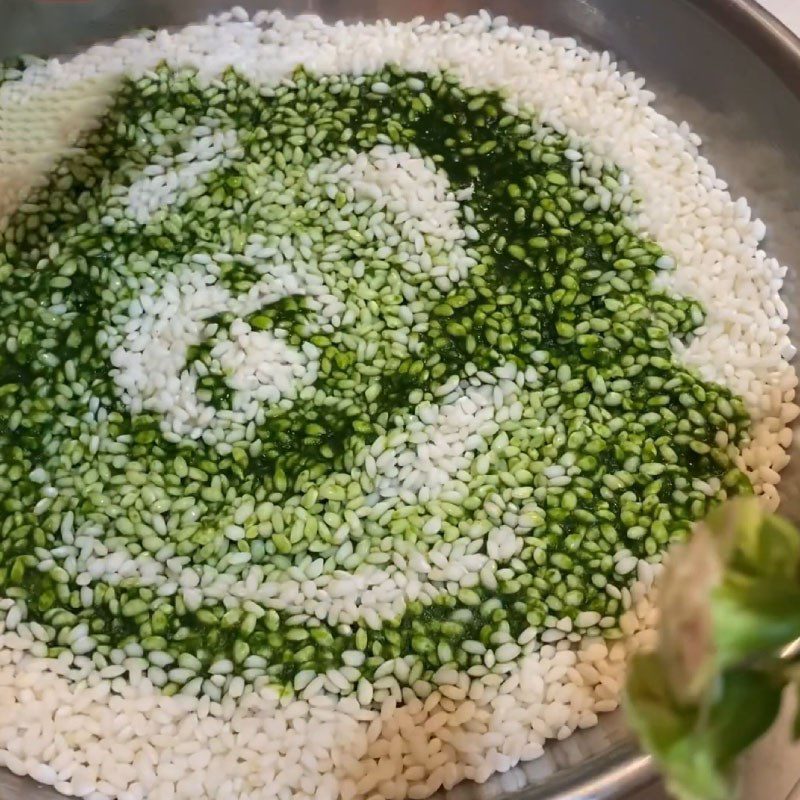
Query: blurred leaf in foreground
{"type": "Point", "coordinates": [796, 728]}
{"type": "Point", "coordinates": [729, 602]}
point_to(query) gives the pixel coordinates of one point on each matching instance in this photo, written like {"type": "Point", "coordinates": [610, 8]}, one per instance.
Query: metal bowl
{"type": "Point", "coordinates": [726, 66]}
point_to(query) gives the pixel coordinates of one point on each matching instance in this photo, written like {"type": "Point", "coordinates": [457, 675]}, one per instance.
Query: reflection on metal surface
{"type": "Point", "coordinates": [764, 33]}
{"type": "Point", "coordinates": [726, 66]}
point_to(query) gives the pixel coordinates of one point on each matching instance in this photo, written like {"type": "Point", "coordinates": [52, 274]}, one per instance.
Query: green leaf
{"type": "Point", "coordinates": [667, 731]}
{"type": "Point", "coordinates": [695, 746]}
{"type": "Point", "coordinates": [770, 550]}
{"type": "Point", "coordinates": [753, 617]}
{"type": "Point", "coordinates": [730, 604]}
{"type": "Point", "coordinates": [746, 707]}
{"type": "Point", "coordinates": [734, 519]}
{"type": "Point", "coordinates": [652, 708]}
{"type": "Point", "coordinates": [752, 542]}
{"type": "Point", "coordinates": [796, 726]}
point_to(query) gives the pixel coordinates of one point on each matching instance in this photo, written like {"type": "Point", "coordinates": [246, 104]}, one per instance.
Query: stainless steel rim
{"type": "Point", "coordinates": [624, 770]}
{"type": "Point", "coordinates": [774, 43]}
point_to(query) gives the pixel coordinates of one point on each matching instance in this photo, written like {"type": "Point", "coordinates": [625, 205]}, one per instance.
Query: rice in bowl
{"type": "Point", "coordinates": [354, 380]}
